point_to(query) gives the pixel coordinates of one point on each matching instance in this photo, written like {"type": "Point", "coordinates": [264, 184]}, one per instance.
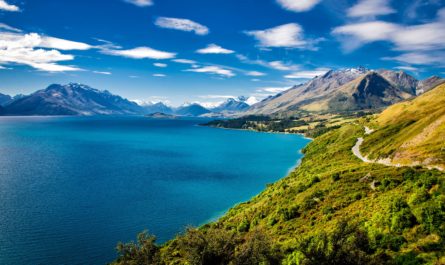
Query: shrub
{"type": "Point", "coordinates": [336, 177]}
{"type": "Point", "coordinates": [145, 251]}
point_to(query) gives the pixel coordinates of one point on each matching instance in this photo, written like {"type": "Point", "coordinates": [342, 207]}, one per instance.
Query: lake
{"type": "Point", "coordinates": [72, 187]}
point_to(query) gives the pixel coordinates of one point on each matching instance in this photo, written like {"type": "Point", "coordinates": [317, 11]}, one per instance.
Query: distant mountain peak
{"type": "Point", "coordinates": [72, 99]}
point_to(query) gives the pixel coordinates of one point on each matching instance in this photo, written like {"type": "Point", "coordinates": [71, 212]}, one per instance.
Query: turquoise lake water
{"type": "Point", "coordinates": [71, 188]}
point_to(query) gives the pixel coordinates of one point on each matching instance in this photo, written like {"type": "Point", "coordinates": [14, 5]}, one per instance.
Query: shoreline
{"type": "Point", "coordinates": [216, 216]}
{"type": "Point", "coordinates": [250, 130]}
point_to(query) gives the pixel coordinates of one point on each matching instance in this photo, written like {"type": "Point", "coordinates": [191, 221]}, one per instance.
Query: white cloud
{"type": "Point", "coordinates": [27, 49]}
{"type": "Point", "coordinates": [3, 26]}
{"type": "Point", "coordinates": [370, 8]}
{"type": "Point", "coordinates": [298, 5]}
{"type": "Point", "coordinates": [159, 75]}
{"type": "Point", "coordinates": [217, 96]}
{"type": "Point", "coordinates": [213, 70]}
{"type": "Point", "coordinates": [208, 105]}
{"type": "Point", "coordinates": [181, 24]}
{"type": "Point", "coordinates": [161, 65]}
{"type": "Point", "coordinates": [273, 90]}
{"type": "Point", "coordinates": [7, 7]}
{"type": "Point", "coordinates": [365, 32]}
{"type": "Point", "coordinates": [422, 37]}
{"type": "Point", "coordinates": [51, 67]}
{"type": "Point", "coordinates": [141, 53]}
{"type": "Point", "coordinates": [419, 58]}
{"type": "Point", "coordinates": [255, 73]}
{"type": "Point", "coordinates": [307, 74]}
{"type": "Point", "coordinates": [102, 73]}
{"type": "Point", "coordinates": [407, 68]}
{"type": "Point", "coordinates": [279, 65]}
{"type": "Point", "coordinates": [184, 61]}
{"type": "Point", "coordinates": [214, 49]}
{"type": "Point", "coordinates": [61, 44]}
{"type": "Point", "coordinates": [255, 80]}
{"type": "Point", "coordinates": [141, 3]}
{"type": "Point", "coordinates": [288, 36]}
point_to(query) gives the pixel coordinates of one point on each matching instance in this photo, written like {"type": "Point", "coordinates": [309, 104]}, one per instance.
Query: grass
{"type": "Point", "coordinates": [411, 131]}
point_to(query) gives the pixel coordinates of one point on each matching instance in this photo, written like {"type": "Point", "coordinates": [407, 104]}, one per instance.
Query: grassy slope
{"type": "Point", "coordinates": [411, 131]}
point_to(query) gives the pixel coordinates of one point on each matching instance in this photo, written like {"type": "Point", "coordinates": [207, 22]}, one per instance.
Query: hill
{"type": "Point", "coordinates": [411, 132]}
{"type": "Point", "coordinates": [72, 99]}
{"type": "Point", "coordinates": [332, 209]}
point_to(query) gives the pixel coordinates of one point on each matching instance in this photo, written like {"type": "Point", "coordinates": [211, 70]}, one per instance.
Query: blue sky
{"type": "Point", "coordinates": [206, 51]}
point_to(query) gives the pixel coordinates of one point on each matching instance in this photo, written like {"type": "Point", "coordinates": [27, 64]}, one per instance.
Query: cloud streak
{"type": "Point", "coordinates": [212, 69]}
{"type": "Point", "coordinates": [140, 3]}
{"type": "Point", "coordinates": [418, 42]}
{"type": "Point", "coordinates": [141, 53]}
{"type": "Point", "coordinates": [181, 24]}
{"type": "Point", "coordinates": [307, 74]}
{"type": "Point", "coordinates": [370, 8]}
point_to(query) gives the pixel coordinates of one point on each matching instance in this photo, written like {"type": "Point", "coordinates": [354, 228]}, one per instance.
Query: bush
{"type": "Point", "coordinates": [335, 177]}
{"type": "Point", "coordinates": [212, 247]}
{"type": "Point", "coordinates": [347, 245]}
{"type": "Point", "coordinates": [145, 251]}
{"type": "Point", "coordinates": [244, 226]}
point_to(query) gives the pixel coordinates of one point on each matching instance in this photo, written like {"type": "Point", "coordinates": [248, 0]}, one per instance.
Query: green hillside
{"type": "Point", "coordinates": [411, 132]}
{"type": "Point", "coordinates": [332, 209]}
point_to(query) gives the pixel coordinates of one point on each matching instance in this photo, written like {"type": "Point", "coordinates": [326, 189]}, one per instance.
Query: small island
{"type": "Point", "coordinates": [161, 115]}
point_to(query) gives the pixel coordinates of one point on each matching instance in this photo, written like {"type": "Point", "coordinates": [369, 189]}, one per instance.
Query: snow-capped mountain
{"type": "Point", "coordinates": [72, 99]}
{"type": "Point", "coordinates": [232, 105]}
{"type": "Point", "coordinates": [157, 107]}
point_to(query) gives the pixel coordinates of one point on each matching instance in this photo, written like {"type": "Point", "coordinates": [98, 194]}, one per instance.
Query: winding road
{"type": "Point", "coordinates": [387, 162]}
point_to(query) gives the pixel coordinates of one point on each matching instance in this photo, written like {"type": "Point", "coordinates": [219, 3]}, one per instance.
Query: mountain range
{"type": "Point", "coordinates": [336, 91]}
{"type": "Point", "coordinates": [346, 90]}
{"type": "Point", "coordinates": [71, 99]}
{"type": "Point", "coordinates": [79, 99]}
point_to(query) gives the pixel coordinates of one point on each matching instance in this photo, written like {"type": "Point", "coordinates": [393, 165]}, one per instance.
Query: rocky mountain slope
{"type": "Point", "coordinates": [318, 87]}
{"type": "Point", "coordinates": [429, 83]}
{"type": "Point", "coordinates": [345, 90]}
{"type": "Point", "coordinates": [72, 99]}
{"type": "Point", "coordinates": [368, 92]}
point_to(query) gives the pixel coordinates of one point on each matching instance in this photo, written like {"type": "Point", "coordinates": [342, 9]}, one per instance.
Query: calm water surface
{"type": "Point", "coordinates": [71, 188]}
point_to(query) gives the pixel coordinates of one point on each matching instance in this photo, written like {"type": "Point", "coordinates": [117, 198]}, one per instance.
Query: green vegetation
{"type": "Point", "coordinates": [333, 209]}
{"type": "Point", "coordinates": [309, 124]}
